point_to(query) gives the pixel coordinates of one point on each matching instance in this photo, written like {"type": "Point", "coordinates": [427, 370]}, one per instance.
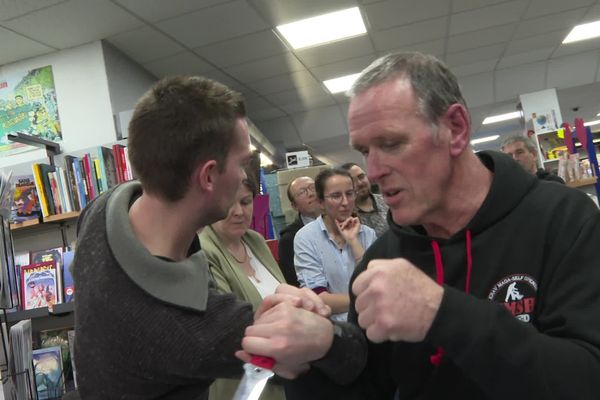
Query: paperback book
{"type": "Point", "coordinates": [40, 285]}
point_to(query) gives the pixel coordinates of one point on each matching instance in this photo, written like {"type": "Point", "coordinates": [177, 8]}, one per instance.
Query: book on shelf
{"type": "Point", "coordinates": [68, 285]}
{"type": "Point", "coordinates": [40, 285]}
{"type": "Point", "coordinates": [48, 370]}
{"type": "Point", "coordinates": [80, 179]}
{"type": "Point", "coordinates": [26, 205]}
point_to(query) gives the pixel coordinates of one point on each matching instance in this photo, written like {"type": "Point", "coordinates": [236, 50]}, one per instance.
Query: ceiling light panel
{"type": "Point", "coordinates": [324, 28]}
{"type": "Point", "coordinates": [583, 32]}
{"type": "Point", "coordinates": [341, 84]}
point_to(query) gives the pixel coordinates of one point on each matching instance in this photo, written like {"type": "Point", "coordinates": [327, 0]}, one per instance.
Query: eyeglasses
{"type": "Point", "coordinates": [337, 196]}
{"type": "Point", "coordinates": [305, 190]}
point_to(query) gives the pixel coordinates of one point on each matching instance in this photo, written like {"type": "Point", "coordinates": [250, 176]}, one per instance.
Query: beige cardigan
{"type": "Point", "coordinates": [232, 279]}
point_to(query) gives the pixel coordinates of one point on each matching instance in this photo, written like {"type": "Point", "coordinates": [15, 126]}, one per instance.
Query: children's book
{"type": "Point", "coordinates": [40, 285]}
{"type": "Point", "coordinates": [26, 204]}
{"type": "Point", "coordinates": [68, 285]}
{"type": "Point", "coordinates": [47, 366]}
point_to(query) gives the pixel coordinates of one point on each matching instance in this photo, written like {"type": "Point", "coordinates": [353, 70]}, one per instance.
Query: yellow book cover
{"type": "Point", "coordinates": [37, 177]}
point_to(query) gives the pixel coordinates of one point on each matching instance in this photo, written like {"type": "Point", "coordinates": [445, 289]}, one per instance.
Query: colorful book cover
{"type": "Point", "coordinates": [26, 204]}
{"type": "Point", "coordinates": [47, 366]}
{"type": "Point", "coordinates": [68, 285]}
{"type": "Point", "coordinates": [39, 285]}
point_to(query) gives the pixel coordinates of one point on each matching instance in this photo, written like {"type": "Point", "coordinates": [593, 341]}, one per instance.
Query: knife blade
{"type": "Point", "coordinates": [256, 374]}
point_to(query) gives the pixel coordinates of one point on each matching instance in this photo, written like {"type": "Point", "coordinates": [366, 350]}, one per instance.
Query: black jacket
{"type": "Point", "coordinates": [286, 251]}
{"type": "Point", "coordinates": [547, 176]}
{"type": "Point", "coordinates": [530, 326]}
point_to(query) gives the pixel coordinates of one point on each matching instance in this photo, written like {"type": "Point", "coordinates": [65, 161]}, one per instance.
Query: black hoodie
{"type": "Point", "coordinates": [530, 327]}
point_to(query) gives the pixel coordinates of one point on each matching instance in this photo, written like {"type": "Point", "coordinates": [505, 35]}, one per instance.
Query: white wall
{"type": "Point", "coordinates": [127, 82]}
{"type": "Point", "coordinates": [82, 93]}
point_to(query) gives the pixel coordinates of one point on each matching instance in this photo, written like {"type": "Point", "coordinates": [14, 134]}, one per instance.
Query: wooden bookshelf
{"type": "Point", "coordinates": [582, 182]}
{"type": "Point", "coordinates": [64, 217]}
{"type": "Point", "coordinates": [25, 224]}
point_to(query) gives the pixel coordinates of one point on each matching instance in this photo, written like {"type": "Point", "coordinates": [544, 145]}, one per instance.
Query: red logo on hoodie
{"type": "Point", "coordinates": [517, 293]}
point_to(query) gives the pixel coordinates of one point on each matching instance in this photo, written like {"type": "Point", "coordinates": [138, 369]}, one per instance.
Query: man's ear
{"type": "Point", "coordinates": [457, 120]}
{"type": "Point", "coordinates": [205, 175]}
{"type": "Point", "coordinates": [294, 206]}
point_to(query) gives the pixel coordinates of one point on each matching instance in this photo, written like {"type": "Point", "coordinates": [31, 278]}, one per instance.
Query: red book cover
{"type": "Point", "coordinates": [123, 163]}
{"type": "Point", "coordinates": [88, 176]}
{"type": "Point", "coordinates": [118, 164]}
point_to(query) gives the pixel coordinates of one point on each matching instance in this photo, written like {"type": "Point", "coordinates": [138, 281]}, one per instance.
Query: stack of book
{"type": "Point", "coordinates": [45, 279]}
{"type": "Point", "coordinates": [67, 188]}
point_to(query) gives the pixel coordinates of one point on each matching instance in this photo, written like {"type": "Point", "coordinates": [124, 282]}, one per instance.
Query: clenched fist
{"type": "Point", "coordinates": [396, 301]}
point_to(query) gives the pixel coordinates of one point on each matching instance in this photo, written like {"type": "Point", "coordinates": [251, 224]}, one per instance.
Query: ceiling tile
{"type": "Point", "coordinates": [16, 8]}
{"type": "Point", "coordinates": [592, 14]}
{"type": "Point", "coordinates": [548, 23]}
{"type": "Point", "coordinates": [337, 51]}
{"type": "Point", "coordinates": [186, 63]}
{"type": "Point", "coordinates": [465, 5]}
{"type": "Point", "coordinates": [156, 10]}
{"type": "Point", "coordinates": [250, 47]}
{"type": "Point", "coordinates": [549, 39]}
{"type": "Point", "coordinates": [79, 21]}
{"type": "Point", "coordinates": [576, 47]}
{"type": "Point", "coordinates": [511, 82]}
{"type": "Point", "coordinates": [525, 58]}
{"type": "Point", "coordinates": [145, 44]}
{"type": "Point", "coordinates": [284, 82]}
{"type": "Point", "coordinates": [342, 68]}
{"type": "Point", "coordinates": [214, 24]}
{"type": "Point", "coordinates": [265, 68]}
{"type": "Point", "coordinates": [281, 12]}
{"type": "Point", "coordinates": [265, 114]}
{"type": "Point", "coordinates": [577, 70]}
{"type": "Point", "coordinates": [303, 106]}
{"type": "Point", "coordinates": [435, 47]}
{"type": "Point", "coordinates": [16, 47]}
{"type": "Point", "coordinates": [475, 68]}
{"type": "Point", "coordinates": [305, 95]}
{"type": "Point", "coordinates": [543, 7]}
{"type": "Point", "coordinates": [480, 38]}
{"type": "Point", "coordinates": [478, 89]}
{"type": "Point", "coordinates": [410, 34]}
{"type": "Point", "coordinates": [227, 80]}
{"type": "Point", "coordinates": [475, 55]}
{"type": "Point", "coordinates": [320, 124]}
{"type": "Point", "coordinates": [486, 17]}
{"type": "Point", "coordinates": [387, 14]}
{"type": "Point", "coordinates": [280, 130]}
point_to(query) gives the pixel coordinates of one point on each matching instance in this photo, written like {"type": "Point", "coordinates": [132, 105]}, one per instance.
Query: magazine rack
{"type": "Point", "coordinates": [31, 389]}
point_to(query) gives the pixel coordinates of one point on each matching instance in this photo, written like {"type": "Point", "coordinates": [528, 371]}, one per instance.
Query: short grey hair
{"type": "Point", "coordinates": [528, 143]}
{"type": "Point", "coordinates": [435, 86]}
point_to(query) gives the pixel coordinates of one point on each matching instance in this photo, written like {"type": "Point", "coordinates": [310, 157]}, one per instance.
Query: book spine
{"type": "Point", "coordinates": [72, 183]}
{"type": "Point", "coordinates": [55, 193]}
{"type": "Point", "coordinates": [102, 170]}
{"type": "Point", "coordinates": [39, 185]}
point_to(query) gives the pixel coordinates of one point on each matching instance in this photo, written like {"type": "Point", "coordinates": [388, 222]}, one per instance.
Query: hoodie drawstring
{"type": "Point", "coordinates": [436, 359]}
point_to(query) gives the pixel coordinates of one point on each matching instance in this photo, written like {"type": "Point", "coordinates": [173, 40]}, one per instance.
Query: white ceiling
{"type": "Point", "coordinates": [498, 49]}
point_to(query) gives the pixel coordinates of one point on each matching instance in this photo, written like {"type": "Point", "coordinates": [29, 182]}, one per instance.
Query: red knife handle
{"type": "Point", "coordinates": [263, 362]}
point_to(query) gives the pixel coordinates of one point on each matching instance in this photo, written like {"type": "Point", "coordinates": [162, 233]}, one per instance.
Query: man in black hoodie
{"type": "Point", "coordinates": [486, 285]}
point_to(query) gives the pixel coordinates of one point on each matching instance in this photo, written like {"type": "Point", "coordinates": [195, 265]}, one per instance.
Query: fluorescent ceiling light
{"type": "Point", "coordinates": [484, 139]}
{"type": "Point", "coordinates": [324, 28]}
{"type": "Point", "coordinates": [341, 84]}
{"type": "Point", "coordinates": [596, 122]}
{"type": "Point", "coordinates": [501, 117]}
{"type": "Point", "coordinates": [583, 32]}
{"type": "Point", "coordinates": [264, 160]}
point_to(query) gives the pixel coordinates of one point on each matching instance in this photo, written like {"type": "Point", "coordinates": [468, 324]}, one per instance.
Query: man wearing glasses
{"type": "Point", "coordinates": [301, 193]}
{"type": "Point", "coordinates": [327, 249]}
